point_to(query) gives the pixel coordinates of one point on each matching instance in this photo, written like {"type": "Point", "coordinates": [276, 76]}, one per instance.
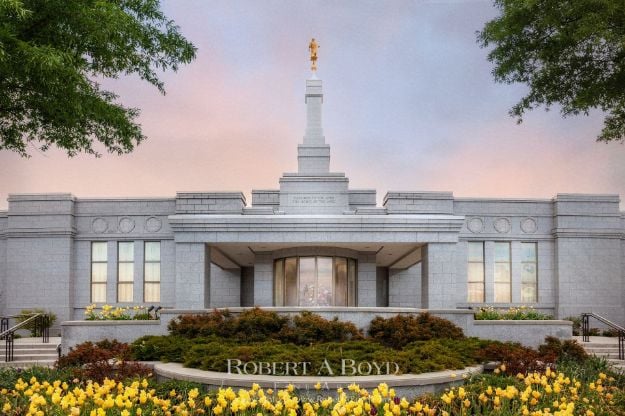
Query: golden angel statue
{"type": "Point", "coordinates": [313, 47]}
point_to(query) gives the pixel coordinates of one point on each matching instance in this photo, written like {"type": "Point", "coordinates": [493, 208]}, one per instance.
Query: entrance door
{"type": "Point", "coordinates": [315, 281]}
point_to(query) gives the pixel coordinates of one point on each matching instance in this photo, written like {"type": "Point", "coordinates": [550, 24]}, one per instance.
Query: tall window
{"type": "Point", "coordinates": [125, 270]}
{"type": "Point", "coordinates": [529, 281]}
{"type": "Point", "coordinates": [98, 271]}
{"type": "Point", "coordinates": [152, 272]}
{"type": "Point", "coordinates": [315, 281]}
{"type": "Point", "coordinates": [476, 272]}
{"type": "Point", "coordinates": [503, 286]}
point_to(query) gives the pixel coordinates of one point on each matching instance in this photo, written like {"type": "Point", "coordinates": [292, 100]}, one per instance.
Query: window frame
{"type": "Point", "coordinates": [93, 283]}
{"type": "Point", "coordinates": [509, 263]}
{"type": "Point", "coordinates": [351, 266]}
{"type": "Point", "coordinates": [535, 263]}
{"type": "Point", "coordinates": [121, 283]}
{"type": "Point", "coordinates": [159, 262]}
{"type": "Point", "coordinates": [483, 264]}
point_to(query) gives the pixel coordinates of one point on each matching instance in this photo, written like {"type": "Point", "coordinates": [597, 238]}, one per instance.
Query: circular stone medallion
{"type": "Point", "coordinates": [528, 225]}
{"type": "Point", "coordinates": [126, 225]}
{"type": "Point", "coordinates": [502, 225]}
{"type": "Point", "coordinates": [475, 225]}
{"type": "Point", "coordinates": [153, 224]}
{"type": "Point", "coordinates": [99, 225]}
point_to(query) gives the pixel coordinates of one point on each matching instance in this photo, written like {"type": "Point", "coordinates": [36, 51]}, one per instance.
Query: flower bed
{"type": "Point", "coordinates": [522, 313]}
{"type": "Point", "coordinates": [586, 390]}
{"type": "Point", "coordinates": [110, 313]}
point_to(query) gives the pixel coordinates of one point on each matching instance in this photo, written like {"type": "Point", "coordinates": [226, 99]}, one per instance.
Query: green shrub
{"type": "Point", "coordinates": [201, 325]}
{"type": "Point", "coordinates": [563, 350]}
{"type": "Point", "coordinates": [257, 325]}
{"type": "Point", "coordinates": [31, 326]}
{"type": "Point", "coordinates": [610, 332]}
{"type": "Point", "coordinates": [308, 328]}
{"type": "Point", "coordinates": [577, 324]}
{"type": "Point", "coordinates": [160, 348]}
{"type": "Point", "coordinates": [400, 330]}
{"type": "Point", "coordinates": [418, 357]}
{"type": "Point", "coordinates": [251, 325]}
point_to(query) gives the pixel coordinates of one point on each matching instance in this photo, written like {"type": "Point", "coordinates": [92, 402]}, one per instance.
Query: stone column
{"type": "Point", "coordinates": [39, 232]}
{"type": "Point", "coordinates": [367, 279]}
{"type": "Point", "coordinates": [405, 287]}
{"type": "Point", "coordinates": [192, 276]}
{"type": "Point", "coordinates": [263, 280]}
{"type": "Point", "coordinates": [440, 288]}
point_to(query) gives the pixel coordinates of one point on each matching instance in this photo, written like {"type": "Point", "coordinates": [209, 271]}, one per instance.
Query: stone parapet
{"type": "Point", "coordinates": [266, 197]}
{"type": "Point", "coordinates": [419, 202]}
{"type": "Point", "coordinates": [362, 198]}
{"type": "Point", "coordinates": [210, 202]}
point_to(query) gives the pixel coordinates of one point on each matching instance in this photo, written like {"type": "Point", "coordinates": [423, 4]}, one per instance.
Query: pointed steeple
{"type": "Point", "coordinates": [313, 155]}
{"type": "Point", "coordinates": [314, 189]}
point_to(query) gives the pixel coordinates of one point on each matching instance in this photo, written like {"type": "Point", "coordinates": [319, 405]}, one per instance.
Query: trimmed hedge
{"type": "Point", "coordinates": [213, 353]}
{"type": "Point", "coordinates": [401, 330]}
{"type": "Point", "coordinates": [257, 325]}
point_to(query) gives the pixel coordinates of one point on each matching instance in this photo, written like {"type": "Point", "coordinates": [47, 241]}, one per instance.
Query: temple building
{"type": "Point", "coordinates": [313, 242]}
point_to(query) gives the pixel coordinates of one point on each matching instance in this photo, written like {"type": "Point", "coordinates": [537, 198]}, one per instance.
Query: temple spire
{"type": "Point", "coordinates": [313, 154]}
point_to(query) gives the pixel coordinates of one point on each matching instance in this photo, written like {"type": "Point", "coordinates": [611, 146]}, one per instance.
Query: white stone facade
{"type": "Point", "coordinates": [217, 251]}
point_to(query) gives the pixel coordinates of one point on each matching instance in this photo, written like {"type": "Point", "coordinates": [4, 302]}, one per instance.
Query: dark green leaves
{"type": "Point", "coordinates": [569, 52]}
{"type": "Point", "coordinates": [52, 51]}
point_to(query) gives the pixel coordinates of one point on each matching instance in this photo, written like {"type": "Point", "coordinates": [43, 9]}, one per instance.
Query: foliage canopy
{"type": "Point", "coordinates": [52, 54]}
{"type": "Point", "coordinates": [569, 52]}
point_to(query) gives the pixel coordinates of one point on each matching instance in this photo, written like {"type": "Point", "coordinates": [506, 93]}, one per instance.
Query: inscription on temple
{"type": "Point", "coordinates": [313, 200]}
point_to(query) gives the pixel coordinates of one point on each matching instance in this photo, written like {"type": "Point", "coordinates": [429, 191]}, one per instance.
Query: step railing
{"type": "Point", "coordinates": [619, 329]}
{"type": "Point", "coordinates": [41, 322]}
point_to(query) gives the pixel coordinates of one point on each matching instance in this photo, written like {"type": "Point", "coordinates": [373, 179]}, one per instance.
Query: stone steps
{"type": "Point", "coordinates": [30, 352]}
{"type": "Point", "coordinates": [607, 348]}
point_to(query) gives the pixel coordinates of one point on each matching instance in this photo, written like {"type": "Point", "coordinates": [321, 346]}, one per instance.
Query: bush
{"type": "Point", "coordinates": [257, 325]}
{"type": "Point", "coordinates": [563, 350]}
{"type": "Point", "coordinates": [419, 357]}
{"type": "Point", "coordinates": [577, 324]}
{"type": "Point", "coordinates": [610, 332]}
{"type": "Point", "coordinates": [310, 328]}
{"type": "Point", "coordinates": [160, 348]}
{"type": "Point", "coordinates": [516, 358]}
{"type": "Point", "coordinates": [400, 330]}
{"type": "Point", "coordinates": [104, 359]}
{"type": "Point", "coordinates": [201, 325]}
{"type": "Point", "coordinates": [520, 359]}
{"type": "Point", "coordinates": [27, 313]}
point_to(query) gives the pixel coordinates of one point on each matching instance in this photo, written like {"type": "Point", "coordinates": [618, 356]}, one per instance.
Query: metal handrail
{"type": "Point", "coordinates": [41, 321]}
{"type": "Point", "coordinates": [620, 330]}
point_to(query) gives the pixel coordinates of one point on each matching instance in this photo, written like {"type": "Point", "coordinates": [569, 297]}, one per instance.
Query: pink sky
{"type": "Point", "coordinates": [409, 105]}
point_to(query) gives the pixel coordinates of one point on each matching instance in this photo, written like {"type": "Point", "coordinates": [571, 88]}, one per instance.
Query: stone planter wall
{"type": "Point", "coordinates": [77, 332]}
{"type": "Point", "coordinates": [529, 333]}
